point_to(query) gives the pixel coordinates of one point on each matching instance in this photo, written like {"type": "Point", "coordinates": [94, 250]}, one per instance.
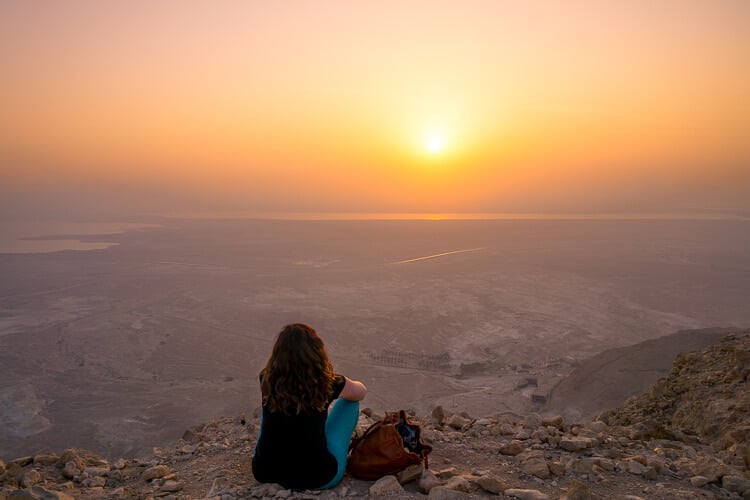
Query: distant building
{"type": "Point", "coordinates": [527, 382]}
{"type": "Point", "coordinates": [419, 361]}
{"type": "Point", "coordinates": [538, 399]}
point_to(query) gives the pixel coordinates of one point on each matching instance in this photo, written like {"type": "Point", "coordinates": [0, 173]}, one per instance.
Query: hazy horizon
{"type": "Point", "coordinates": [44, 235]}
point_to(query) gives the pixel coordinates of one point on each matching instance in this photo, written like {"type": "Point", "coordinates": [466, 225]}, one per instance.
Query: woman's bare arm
{"type": "Point", "coordinates": [354, 390]}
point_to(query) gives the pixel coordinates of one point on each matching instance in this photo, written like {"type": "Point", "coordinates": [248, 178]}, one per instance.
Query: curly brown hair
{"type": "Point", "coordinates": [298, 377]}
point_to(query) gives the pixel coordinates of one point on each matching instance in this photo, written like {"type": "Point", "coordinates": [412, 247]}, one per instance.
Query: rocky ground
{"type": "Point", "coordinates": [685, 439]}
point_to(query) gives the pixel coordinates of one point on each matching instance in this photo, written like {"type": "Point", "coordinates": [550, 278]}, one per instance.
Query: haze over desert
{"type": "Point", "coordinates": [120, 349]}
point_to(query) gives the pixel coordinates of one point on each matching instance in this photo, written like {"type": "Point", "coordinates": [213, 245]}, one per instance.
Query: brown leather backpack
{"type": "Point", "coordinates": [387, 447]}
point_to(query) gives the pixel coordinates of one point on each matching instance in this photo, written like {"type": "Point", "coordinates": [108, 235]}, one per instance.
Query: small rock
{"type": "Point", "coordinates": [22, 461]}
{"type": "Point", "coordinates": [45, 459]}
{"type": "Point", "coordinates": [575, 443]}
{"type": "Point", "coordinates": [525, 494]}
{"type": "Point", "coordinates": [155, 472]}
{"type": "Point", "coordinates": [577, 491]}
{"type": "Point", "coordinates": [13, 473]}
{"type": "Point", "coordinates": [221, 484]}
{"type": "Point", "coordinates": [491, 484]}
{"type": "Point", "coordinates": [583, 465]}
{"type": "Point", "coordinates": [503, 429]}
{"type": "Point", "coordinates": [541, 434]}
{"type": "Point", "coordinates": [446, 473]}
{"type": "Point", "coordinates": [438, 416]}
{"type": "Point", "coordinates": [523, 434]}
{"type": "Point", "coordinates": [636, 467]}
{"type": "Point", "coordinates": [536, 466]}
{"type": "Point", "coordinates": [386, 485]}
{"type": "Point", "coordinates": [699, 481]}
{"type": "Point", "coordinates": [410, 473]}
{"type": "Point", "coordinates": [2, 466]}
{"type": "Point", "coordinates": [30, 478]}
{"type": "Point", "coordinates": [171, 486]}
{"type": "Point", "coordinates": [735, 484]}
{"type": "Point", "coordinates": [557, 422]}
{"type": "Point", "coordinates": [711, 468]}
{"type": "Point", "coordinates": [651, 473]}
{"type": "Point", "coordinates": [71, 455]}
{"type": "Point", "coordinates": [188, 449]}
{"type": "Point", "coordinates": [120, 464]}
{"type": "Point", "coordinates": [71, 469]}
{"type": "Point", "coordinates": [93, 482]}
{"type": "Point", "coordinates": [556, 468]}
{"type": "Point", "coordinates": [532, 421]}
{"type": "Point", "coordinates": [96, 471]}
{"type": "Point", "coordinates": [514, 447]}
{"type": "Point", "coordinates": [118, 492]}
{"type": "Point", "coordinates": [458, 422]}
{"type": "Point", "coordinates": [443, 493]}
{"type": "Point", "coordinates": [458, 483]}
{"type": "Point", "coordinates": [605, 463]}
{"type": "Point", "coordinates": [427, 481]}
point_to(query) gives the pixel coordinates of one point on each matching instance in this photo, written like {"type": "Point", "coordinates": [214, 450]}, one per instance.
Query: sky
{"type": "Point", "coordinates": [390, 106]}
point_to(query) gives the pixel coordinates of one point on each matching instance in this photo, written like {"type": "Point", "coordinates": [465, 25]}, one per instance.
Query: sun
{"type": "Point", "coordinates": [434, 144]}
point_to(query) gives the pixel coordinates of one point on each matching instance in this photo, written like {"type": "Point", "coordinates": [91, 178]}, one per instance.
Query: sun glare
{"type": "Point", "coordinates": [434, 144]}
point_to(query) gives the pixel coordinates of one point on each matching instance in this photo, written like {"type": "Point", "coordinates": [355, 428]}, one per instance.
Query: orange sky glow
{"type": "Point", "coordinates": [421, 106]}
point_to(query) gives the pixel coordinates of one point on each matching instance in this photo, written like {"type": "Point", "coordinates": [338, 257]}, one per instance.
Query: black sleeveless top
{"type": "Point", "coordinates": [292, 449]}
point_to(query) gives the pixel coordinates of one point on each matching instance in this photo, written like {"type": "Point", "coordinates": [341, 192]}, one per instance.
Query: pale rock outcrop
{"type": "Point", "coordinates": [155, 472]}
{"type": "Point", "coordinates": [574, 443]}
{"type": "Point", "coordinates": [386, 486]}
{"type": "Point", "coordinates": [458, 483]}
{"type": "Point", "coordinates": [556, 421]}
{"type": "Point", "coordinates": [491, 483]}
{"type": "Point", "coordinates": [458, 422]}
{"type": "Point", "coordinates": [427, 481]}
{"type": "Point", "coordinates": [410, 473]}
{"type": "Point", "coordinates": [514, 447]}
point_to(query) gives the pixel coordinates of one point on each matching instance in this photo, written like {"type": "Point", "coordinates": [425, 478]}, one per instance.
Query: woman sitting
{"type": "Point", "coordinates": [301, 445]}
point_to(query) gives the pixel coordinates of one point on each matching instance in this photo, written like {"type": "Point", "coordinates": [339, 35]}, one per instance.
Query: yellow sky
{"type": "Point", "coordinates": [327, 106]}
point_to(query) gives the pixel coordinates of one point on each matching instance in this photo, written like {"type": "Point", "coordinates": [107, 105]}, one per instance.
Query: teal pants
{"type": "Point", "coordinates": [340, 424]}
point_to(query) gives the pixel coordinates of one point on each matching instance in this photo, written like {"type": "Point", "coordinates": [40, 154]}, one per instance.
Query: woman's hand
{"type": "Point", "coordinates": [353, 390]}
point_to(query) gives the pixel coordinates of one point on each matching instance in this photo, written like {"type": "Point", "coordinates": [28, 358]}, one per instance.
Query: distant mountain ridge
{"type": "Point", "coordinates": [707, 394]}
{"type": "Point", "coordinates": [609, 378]}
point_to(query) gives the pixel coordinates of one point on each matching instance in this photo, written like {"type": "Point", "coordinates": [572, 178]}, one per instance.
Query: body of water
{"type": "Point", "coordinates": [53, 236]}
